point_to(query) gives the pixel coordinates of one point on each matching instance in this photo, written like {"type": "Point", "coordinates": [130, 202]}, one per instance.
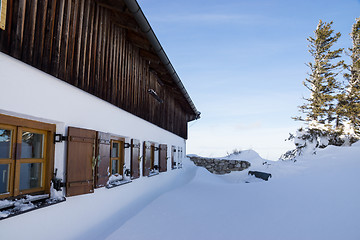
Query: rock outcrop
{"type": "Point", "coordinates": [220, 166]}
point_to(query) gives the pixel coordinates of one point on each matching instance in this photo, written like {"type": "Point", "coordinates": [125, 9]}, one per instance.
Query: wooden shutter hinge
{"type": "Point", "coordinates": [58, 138]}
{"type": "Point", "coordinates": [57, 182]}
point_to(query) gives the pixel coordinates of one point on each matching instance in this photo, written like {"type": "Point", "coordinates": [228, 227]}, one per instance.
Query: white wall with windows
{"type": "Point", "coordinates": [29, 93]}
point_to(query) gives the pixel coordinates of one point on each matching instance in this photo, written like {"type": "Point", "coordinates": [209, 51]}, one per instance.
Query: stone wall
{"type": "Point", "coordinates": [220, 166]}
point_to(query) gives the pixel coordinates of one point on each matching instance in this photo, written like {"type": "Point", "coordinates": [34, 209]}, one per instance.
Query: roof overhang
{"type": "Point", "coordinates": [150, 47]}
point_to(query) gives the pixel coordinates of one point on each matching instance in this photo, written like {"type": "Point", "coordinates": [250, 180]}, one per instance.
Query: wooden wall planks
{"type": "Point", "coordinates": [77, 42]}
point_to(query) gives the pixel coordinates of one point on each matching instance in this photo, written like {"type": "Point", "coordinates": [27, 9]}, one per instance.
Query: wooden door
{"type": "Point", "coordinates": [135, 159]}
{"type": "Point", "coordinates": [173, 152]}
{"type": "Point", "coordinates": [80, 161]}
{"type": "Point", "coordinates": [162, 157]}
{"type": "Point", "coordinates": [146, 159]}
{"type": "Point", "coordinates": [102, 159]}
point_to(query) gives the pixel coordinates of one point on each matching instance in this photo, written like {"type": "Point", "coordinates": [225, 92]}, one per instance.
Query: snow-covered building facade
{"type": "Point", "coordinates": [87, 92]}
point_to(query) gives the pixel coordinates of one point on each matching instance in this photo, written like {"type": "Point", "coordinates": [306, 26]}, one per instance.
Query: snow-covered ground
{"type": "Point", "coordinates": [317, 197]}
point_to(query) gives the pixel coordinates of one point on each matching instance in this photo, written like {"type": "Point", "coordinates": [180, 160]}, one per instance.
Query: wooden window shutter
{"type": "Point", "coordinates": [135, 159]}
{"type": "Point", "coordinates": [173, 152]}
{"type": "Point", "coordinates": [146, 159]}
{"type": "Point", "coordinates": [102, 159]}
{"type": "Point", "coordinates": [80, 161]}
{"type": "Point", "coordinates": [163, 158]}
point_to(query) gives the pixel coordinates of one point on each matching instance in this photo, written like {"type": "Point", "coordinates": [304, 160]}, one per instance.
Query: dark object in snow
{"type": "Point", "coordinates": [24, 205]}
{"type": "Point", "coordinates": [262, 175]}
{"type": "Point", "coordinates": [117, 183]}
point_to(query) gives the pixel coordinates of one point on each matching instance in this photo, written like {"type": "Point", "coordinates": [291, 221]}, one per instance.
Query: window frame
{"type": "Point", "coordinates": [48, 130]}
{"type": "Point", "coordinates": [10, 160]}
{"type": "Point", "coordinates": [20, 161]}
{"type": "Point", "coordinates": [120, 157]}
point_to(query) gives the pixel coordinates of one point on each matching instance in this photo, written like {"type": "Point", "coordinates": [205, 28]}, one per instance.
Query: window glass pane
{"type": "Point", "coordinates": [32, 145]}
{"type": "Point", "coordinates": [30, 175]}
{"type": "Point", "coordinates": [4, 178]}
{"type": "Point", "coordinates": [115, 150]}
{"type": "Point", "coordinates": [5, 143]}
{"type": "Point", "coordinates": [114, 166]}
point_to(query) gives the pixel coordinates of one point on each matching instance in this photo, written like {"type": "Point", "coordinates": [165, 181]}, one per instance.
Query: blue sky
{"type": "Point", "coordinates": [243, 63]}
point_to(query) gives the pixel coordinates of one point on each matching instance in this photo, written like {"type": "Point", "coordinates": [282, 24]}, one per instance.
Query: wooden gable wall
{"type": "Point", "coordinates": [91, 46]}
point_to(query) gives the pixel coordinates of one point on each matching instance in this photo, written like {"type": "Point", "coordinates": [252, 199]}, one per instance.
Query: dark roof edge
{"type": "Point", "coordinates": [148, 31]}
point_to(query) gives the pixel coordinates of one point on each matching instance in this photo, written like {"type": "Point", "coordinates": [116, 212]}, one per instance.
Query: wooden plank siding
{"type": "Point", "coordinates": [84, 43]}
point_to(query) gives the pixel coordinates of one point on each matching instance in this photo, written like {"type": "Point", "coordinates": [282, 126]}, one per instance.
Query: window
{"type": "Point", "coordinates": [7, 142]}
{"type": "Point", "coordinates": [117, 157]}
{"type": "Point", "coordinates": [24, 156]}
{"type": "Point", "coordinates": [30, 165]}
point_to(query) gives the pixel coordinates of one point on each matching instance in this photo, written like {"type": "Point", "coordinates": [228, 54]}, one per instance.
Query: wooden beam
{"type": "Point", "coordinates": [125, 18]}
{"type": "Point", "coordinates": [158, 67]}
{"type": "Point", "coordinates": [147, 55]}
{"type": "Point", "coordinates": [20, 19]}
{"type": "Point", "coordinates": [58, 36]}
{"type": "Point", "coordinates": [118, 6]}
{"type": "Point", "coordinates": [123, 26]}
{"type": "Point", "coordinates": [49, 33]}
{"type": "Point", "coordinates": [40, 33]}
{"type": "Point", "coordinates": [167, 80]}
{"type": "Point", "coordinates": [137, 39]}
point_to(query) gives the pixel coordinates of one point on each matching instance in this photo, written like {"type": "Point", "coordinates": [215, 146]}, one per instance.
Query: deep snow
{"type": "Point", "coordinates": [316, 197]}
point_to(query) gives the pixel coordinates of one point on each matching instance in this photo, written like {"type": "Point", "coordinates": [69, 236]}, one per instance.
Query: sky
{"type": "Point", "coordinates": [243, 63]}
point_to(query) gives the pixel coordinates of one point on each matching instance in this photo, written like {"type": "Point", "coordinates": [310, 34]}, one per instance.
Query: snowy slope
{"type": "Point", "coordinates": [91, 216]}
{"type": "Point", "coordinates": [316, 197]}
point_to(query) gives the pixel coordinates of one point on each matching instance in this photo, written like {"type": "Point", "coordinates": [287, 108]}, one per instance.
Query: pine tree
{"type": "Point", "coordinates": [351, 102]}
{"type": "Point", "coordinates": [320, 108]}
{"type": "Point", "coordinates": [330, 103]}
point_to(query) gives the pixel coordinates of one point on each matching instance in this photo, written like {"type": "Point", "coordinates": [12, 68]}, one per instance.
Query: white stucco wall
{"type": "Point", "coordinates": [29, 93]}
